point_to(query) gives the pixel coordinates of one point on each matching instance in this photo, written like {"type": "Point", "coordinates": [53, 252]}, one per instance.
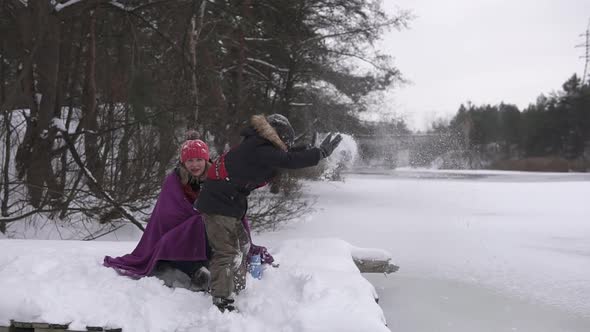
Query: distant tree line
{"type": "Point", "coordinates": [95, 95]}
{"type": "Point", "coordinates": [555, 126]}
{"type": "Point", "coordinates": [377, 139]}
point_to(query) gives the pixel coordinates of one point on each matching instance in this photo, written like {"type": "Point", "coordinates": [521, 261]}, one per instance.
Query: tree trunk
{"type": "Point", "coordinates": [5, 169]}
{"type": "Point", "coordinates": [123, 155]}
{"type": "Point", "coordinates": [41, 87]}
{"type": "Point", "coordinates": [193, 35]}
{"type": "Point", "coordinates": [7, 149]}
{"type": "Point", "coordinates": [90, 122]}
{"type": "Point", "coordinates": [166, 146]}
{"type": "Point", "coordinates": [26, 29]}
{"type": "Point", "coordinates": [72, 81]}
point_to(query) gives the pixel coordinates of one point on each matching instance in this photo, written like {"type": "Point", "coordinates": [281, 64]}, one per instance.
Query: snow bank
{"type": "Point", "coordinates": [316, 288]}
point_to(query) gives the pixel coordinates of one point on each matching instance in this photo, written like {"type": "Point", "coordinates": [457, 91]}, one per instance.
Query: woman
{"type": "Point", "coordinates": [174, 239]}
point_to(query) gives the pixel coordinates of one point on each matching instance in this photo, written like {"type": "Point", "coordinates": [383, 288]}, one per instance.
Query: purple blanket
{"type": "Point", "coordinates": [174, 232]}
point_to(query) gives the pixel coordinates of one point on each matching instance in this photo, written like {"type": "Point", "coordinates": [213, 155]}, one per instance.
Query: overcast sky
{"type": "Point", "coordinates": [484, 51]}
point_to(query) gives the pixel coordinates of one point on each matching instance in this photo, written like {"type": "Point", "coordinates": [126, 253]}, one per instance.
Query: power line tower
{"type": "Point", "coordinates": [586, 46]}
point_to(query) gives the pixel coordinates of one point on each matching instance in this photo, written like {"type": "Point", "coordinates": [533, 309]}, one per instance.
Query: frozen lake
{"type": "Point", "coordinates": [479, 251]}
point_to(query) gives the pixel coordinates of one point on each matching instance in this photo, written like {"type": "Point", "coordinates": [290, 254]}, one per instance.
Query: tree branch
{"type": "Point", "coordinates": [270, 65]}
{"type": "Point", "coordinates": [24, 215]}
{"type": "Point", "coordinates": [94, 182]}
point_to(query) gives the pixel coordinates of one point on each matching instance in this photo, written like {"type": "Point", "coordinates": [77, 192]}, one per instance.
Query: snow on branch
{"type": "Point", "coordinates": [357, 31]}
{"type": "Point", "coordinates": [118, 5]}
{"type": "Point", "coordinates": [58, 123]}
{"type": "Point", "coordinates": [270, 65]}
{"type": "Point", "coordinates": [61, 6]}
{"type": "Point", "coordinates": [258, 39]}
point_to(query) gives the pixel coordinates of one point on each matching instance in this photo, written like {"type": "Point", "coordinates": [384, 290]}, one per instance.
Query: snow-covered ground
{"type": "Point", "coordinates": [64, 282]}
{"type": "Point", "coordinates": [478, 251]}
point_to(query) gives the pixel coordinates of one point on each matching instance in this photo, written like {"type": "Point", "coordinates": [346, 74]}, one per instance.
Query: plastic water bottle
{"type": "Point", "coordinates": [256, 266]}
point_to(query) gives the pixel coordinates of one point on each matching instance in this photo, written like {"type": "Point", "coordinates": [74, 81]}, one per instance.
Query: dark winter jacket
{"type": "Point", "coordinates": [250, 165]}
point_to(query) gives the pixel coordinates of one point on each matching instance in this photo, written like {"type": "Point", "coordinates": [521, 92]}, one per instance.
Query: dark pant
{"type": "Point", "coordinates": [188, 267]}
{"type": "Point", "coordinates": [230, 244]}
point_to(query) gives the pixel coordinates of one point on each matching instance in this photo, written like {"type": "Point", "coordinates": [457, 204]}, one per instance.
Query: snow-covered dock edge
{"type": "Point", "coordinates": [366, 260]}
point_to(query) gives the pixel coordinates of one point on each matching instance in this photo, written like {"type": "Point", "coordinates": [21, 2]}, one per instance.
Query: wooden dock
{"type": "Point", "coordinates": [16, 326]}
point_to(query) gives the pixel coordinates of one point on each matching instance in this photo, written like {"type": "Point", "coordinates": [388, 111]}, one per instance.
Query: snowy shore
{"type": "Point", "coordinates": [478, 251]}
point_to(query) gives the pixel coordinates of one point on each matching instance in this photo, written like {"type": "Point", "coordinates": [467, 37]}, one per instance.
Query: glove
{"type": "Point", "coordinates": [329, 145]}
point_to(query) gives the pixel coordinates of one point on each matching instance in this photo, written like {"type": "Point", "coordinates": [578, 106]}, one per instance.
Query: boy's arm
{"type": "Point", "coordinates": [275, 157]}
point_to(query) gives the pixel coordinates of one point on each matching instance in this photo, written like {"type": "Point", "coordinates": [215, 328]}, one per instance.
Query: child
{"type": "Point", "coordinates": [223, 199]}
{"type": "Point", "coordinates": [175, 235]}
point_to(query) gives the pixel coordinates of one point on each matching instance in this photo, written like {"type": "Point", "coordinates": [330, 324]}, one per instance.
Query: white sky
{"type": "Point", "coordinates": [484, 51]}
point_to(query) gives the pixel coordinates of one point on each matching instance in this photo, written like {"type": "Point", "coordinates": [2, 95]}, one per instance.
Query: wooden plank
{"type": "Point", "coordinates": [21, 325]}
{"type": "Point", "coordinates": [105, 329]}
{"type": "Point", "coordinates": [59, 326]}
{"type": "Point", "coordinates": [16, 326]}
{"type": "Point", "coordinates": [375, 266]}
{"type": "Point", "coordinates": [20, 329]}
{"type": "Point", "coordinates": [47, 327]}
{"type": "Point", "coordinates": [41, 326]}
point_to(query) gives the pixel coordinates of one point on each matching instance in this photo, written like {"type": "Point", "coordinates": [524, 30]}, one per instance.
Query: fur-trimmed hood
{"type": "Point", "coordinates": [266, 131]}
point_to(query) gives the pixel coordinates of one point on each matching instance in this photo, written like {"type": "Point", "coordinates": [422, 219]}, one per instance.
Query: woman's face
{"type": "Point", "coordinates": [196, 166]}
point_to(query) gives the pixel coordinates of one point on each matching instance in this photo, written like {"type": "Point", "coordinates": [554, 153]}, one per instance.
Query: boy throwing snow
{"type": "Point", "coordinates": [223, 200]}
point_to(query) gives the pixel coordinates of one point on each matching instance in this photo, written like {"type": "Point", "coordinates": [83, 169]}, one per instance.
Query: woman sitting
{"type": "Point", "coordinates": [174, 244]}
